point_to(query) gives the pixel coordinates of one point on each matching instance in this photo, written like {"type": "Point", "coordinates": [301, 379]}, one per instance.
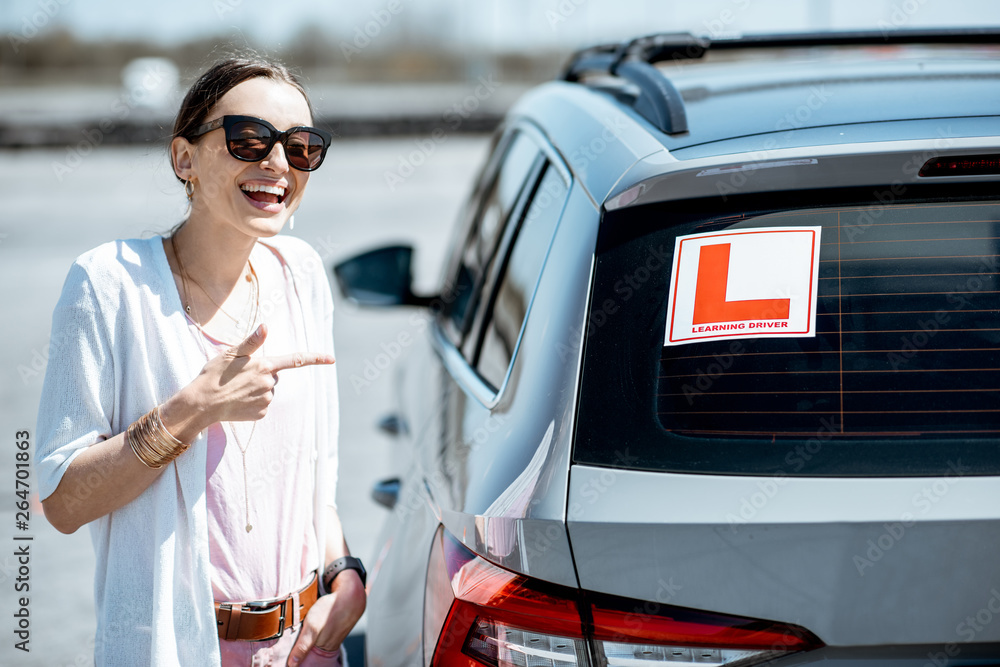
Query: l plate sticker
{"type": "Point", "coordinates": [746, 283]}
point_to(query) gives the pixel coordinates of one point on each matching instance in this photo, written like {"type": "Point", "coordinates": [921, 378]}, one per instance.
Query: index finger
{"type": "Point", "coordinates": [298, 360]}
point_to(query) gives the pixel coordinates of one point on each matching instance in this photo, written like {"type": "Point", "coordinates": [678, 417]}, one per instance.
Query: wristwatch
{"type": "Point", "coordinates": [338, 566]}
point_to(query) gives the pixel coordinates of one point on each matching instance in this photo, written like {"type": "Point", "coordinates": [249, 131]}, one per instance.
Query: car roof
{"type": "Point", "coordinates": [734, 100]}
{"type": "Point", "coordinates": [769, 99]}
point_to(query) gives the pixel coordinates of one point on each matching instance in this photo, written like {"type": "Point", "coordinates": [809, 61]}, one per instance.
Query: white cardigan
{"type": "Point", "coordinates": [120, 346]}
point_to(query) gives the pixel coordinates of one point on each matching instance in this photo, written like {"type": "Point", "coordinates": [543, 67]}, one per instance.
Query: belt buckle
{"type": "Point", "coordinates": [264, 606]}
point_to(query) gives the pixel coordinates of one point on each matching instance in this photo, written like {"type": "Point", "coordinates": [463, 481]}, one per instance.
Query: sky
{"type": "Point", "coordinates": [502, 25]}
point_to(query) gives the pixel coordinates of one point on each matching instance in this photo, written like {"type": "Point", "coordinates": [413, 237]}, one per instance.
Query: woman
{"type": "Point", "coordinates": [189, 414]}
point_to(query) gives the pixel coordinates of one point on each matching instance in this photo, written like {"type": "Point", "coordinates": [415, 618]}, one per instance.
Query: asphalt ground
{"type": "Point", "coordinates": [59, 203]}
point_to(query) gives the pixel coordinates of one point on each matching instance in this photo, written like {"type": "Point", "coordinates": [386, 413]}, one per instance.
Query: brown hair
{"type": "Point", "coordinates": [219, 80]}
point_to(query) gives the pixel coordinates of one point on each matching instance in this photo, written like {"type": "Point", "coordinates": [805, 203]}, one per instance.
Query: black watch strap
{"type": "Point", "coordinates": [338, 566]}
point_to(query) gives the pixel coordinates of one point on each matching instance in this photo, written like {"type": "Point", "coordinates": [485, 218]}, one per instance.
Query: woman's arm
{"type": "Point", "coordinates": [108, 475]}
{"type": "Point", "coordinates": [330, 620]}
{"type": "Point", "coordinates": [231, 387]}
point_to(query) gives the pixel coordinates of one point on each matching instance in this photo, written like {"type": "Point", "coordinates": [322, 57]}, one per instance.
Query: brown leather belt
{"type": "Point", "coordinates": [267, 619]}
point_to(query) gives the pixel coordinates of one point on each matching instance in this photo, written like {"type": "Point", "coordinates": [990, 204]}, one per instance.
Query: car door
{"type": "Point", "coordinates": [466, 417]}
{"type": "Point", "coordinates": [430, 405]}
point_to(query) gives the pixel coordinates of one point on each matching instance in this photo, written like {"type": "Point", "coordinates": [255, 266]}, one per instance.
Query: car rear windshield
{"type": "Point", "coordinates": [811, 339]}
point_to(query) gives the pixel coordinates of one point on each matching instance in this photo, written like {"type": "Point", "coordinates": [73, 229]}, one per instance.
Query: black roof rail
{"type": "Point", "coordinates": [659, 100]}
{"type": "Point", "coordinates": [887, 37]}
{"type": "Point", "coordinates": [676, 46]}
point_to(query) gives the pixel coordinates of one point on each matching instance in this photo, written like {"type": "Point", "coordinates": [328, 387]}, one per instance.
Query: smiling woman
{"type": "Point", "coordinates": [209, 491]}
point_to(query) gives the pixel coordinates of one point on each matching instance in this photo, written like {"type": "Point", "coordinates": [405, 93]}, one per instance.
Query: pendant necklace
{"type": "Point", "coordinates": [243, 454]}
{"type": "Point", "coordinates": [254, 281]}
{"type": "Point", "coordinates": [236, 320]}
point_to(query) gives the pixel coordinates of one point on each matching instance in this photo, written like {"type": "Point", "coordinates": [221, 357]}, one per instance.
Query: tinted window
{"type": "Point", "coordinates": [487, 227]}
{"type": "Point", "coordinates": [519, 276]}
{"type": "Point", "coordinates": [900, 378]}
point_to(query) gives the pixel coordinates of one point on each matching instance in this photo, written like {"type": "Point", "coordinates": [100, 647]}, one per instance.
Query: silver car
{"type": "Point", "coordinates": [713, 375]}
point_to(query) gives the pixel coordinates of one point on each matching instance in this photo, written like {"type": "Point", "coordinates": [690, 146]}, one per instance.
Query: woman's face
{"type": "Point", "coordinates": [224, 187]}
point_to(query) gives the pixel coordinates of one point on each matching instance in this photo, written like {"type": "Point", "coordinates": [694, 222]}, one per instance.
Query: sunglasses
{"type": "Point", "coordinates": [251, 139]}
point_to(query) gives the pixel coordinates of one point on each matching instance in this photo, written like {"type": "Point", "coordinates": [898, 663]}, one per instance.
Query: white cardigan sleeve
{"type": "Point", "coordinates": [77, 403]}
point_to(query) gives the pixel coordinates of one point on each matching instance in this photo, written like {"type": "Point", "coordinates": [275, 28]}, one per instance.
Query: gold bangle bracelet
{"type": "Point", "coordinates": [135, 449]}
{"type": "Point", "coordinates": [151, 442]}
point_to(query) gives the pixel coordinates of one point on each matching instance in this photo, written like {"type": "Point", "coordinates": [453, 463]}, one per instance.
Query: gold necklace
{"type": "Point", "coordinates": [255, 289]}
{"type": "Point", "coordinates": [219, 305]}
{"type": "Point", "coordinates": [251, 277]}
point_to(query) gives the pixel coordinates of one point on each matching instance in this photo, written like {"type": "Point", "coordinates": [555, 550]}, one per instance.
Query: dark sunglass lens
{"type": "Point", "coordinates": [304, 150]}
{"type": "Point", "coordinates": [249, 140]}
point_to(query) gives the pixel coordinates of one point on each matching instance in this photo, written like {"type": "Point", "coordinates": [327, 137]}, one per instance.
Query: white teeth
{"type": "Point", "coordinates": [271, 189]}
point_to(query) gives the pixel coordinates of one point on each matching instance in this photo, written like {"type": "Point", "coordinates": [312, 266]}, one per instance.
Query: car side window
{"type": "Point", "coordinates": [518, 278]}
{"type": "Point", "coordinates": [485, 231]}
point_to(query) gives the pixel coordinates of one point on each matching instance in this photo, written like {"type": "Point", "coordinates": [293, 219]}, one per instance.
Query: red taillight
{"type": "Point", "coordinates": [491, 610]}
{"type": "Point", "coordinates": [615, 621]}
{"type": "Point", "coordinates": [476, 614]}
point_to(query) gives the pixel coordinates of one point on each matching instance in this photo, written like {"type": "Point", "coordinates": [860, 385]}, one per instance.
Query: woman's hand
{"type": "Point", "coordinates": [330, 620]}
{"type": "Point", "coordinates": [233, 386]}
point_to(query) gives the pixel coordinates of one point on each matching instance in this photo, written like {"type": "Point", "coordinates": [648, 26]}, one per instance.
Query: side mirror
{"type": "Point", "coordinates": [380, 277]}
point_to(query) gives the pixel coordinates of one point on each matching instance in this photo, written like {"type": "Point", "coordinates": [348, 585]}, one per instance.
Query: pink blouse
{"type": "Point", "coordinates": [275, 557]}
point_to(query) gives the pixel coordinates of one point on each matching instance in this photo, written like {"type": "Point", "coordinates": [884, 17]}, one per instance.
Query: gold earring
{"type": "Point", "coordinates": [189, 189]}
